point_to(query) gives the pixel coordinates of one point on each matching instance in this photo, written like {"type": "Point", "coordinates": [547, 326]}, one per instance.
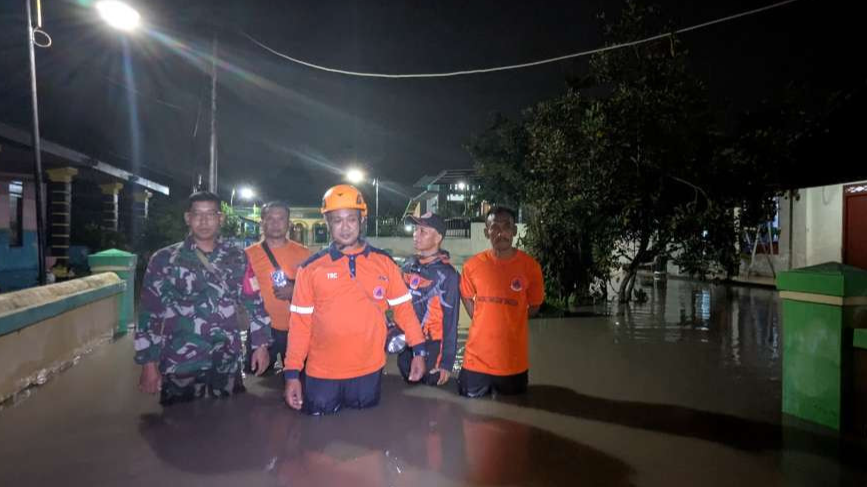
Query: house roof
{"type": "Point", "coordinates": [16, 148]}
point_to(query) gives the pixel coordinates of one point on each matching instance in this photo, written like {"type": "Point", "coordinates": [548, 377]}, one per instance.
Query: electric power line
{"type": "Point", "coordinates": [522, 65]}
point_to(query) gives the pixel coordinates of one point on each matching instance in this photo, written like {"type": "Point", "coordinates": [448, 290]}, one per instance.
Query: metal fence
{"type": "Point", "coordinates": [458, 228]}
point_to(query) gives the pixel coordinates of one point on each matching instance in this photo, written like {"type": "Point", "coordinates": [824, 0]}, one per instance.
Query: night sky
{"type": "Point", "coordinates": [288, 130]}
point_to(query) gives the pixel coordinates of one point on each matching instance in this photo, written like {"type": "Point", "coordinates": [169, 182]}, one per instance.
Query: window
{"type": "Point", "coordinates": [16, 214]}
{"type": "Point", "coordinates": [320, 233]}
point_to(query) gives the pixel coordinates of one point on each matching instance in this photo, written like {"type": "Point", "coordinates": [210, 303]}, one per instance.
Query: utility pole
{"type": "Point", "coordinates": [37, 150]}
{"type": "Point", "coordinates": [212, 168]}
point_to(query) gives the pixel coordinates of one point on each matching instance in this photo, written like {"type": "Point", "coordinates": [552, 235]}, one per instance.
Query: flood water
{"type": "Point", "coordinates": [683, 389]}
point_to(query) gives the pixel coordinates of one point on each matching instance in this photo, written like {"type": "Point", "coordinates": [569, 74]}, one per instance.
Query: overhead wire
{"type": "Point", "coordinates": [521, 65]}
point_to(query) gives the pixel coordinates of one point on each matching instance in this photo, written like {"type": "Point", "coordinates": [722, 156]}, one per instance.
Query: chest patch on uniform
{"type": "Point", "coordinates": [331, 275]}
{"type": "Point", "coordinates": [414, 281]}
{"type": "Point", "coordinates": [378, 292]}
{"type": "Point", "coordinates": [517, 285]}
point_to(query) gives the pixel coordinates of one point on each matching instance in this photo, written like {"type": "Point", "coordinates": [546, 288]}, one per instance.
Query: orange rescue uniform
{"type": "Point", "coordinates": [338, 327]}
{"type": "Point", "coordinates": [502, 291]}
{"type": "Point", "coordinates": [289, 256]}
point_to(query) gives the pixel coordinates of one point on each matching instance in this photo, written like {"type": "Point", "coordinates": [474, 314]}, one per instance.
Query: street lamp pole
{"type": "Point", "coordinates": [212, 168]}
{"type": "Point", "coordinates": [130, 21]}
{"type": "Point", "coordinates": [37, 150]}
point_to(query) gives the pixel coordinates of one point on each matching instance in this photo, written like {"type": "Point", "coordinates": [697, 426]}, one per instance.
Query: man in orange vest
{"type": "Point", "coordinates": [275, 262]}
{"type": "Point", "coordinates": [337, 333]}
{"type": "Point", "coordinates": [501, 289]}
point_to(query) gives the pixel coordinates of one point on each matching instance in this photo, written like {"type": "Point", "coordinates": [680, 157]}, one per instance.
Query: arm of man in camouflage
{"type": "Point", "coordinates": [149, 332]}
{"type": "Point", "coordinates": [254, 305]}
{"type": "Point", "coordinates": [260, 323]}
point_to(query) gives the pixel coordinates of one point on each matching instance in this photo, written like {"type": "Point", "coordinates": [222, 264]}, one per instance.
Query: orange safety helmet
{"type": "Point", "coordinates": [343, 197]}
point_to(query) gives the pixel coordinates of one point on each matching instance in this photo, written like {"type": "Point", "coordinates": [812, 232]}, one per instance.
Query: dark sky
{"type": "Point", "coordinates": [288, 130]}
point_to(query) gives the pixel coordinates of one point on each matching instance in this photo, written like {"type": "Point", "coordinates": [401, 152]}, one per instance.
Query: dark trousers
{"type": "Point", "coordinates": [328, 396]}
{"type": "Point", "coordinates": [281, 341]}
{"type": "Point", "coordinates": [404, 363]}
{"type": "Point", "coordinates": [278, 347]}
{"type": "Point", "coordinates": [477, 384]}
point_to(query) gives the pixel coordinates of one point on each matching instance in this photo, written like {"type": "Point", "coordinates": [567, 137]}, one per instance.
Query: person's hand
{"type": "Point", "coordinates": [150, 380]}
{"type": "Point", "coordinates": [259, 361]}
{"type": "Point", "coordinates": [292, 394]}
{"type": "Point", "coordinates": [284, 293]}
{"type": "Point", "coordinates": [416, 369]}
{"type": "Point", "coordinates": [444, 375]}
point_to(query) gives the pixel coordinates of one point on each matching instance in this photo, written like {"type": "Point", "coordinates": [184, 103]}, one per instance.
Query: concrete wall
{"type": "Point", "coordinates": [794, 223]}
{"type": "Point", "coordinates": [824, 220]}
{"type": "Point", "coordinates": [459, 248]}
{"type": "Point", "coordinates": [43, 329]}
{"type": "Point", "coordinates": [816, 225]}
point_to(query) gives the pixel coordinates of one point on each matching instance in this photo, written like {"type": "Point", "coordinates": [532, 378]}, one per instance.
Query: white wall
{"type": "Point", "coordinates": [824, 233]}
{"type": "Point", "coordinates": [817, 228]}
{"type": "Point", "coordinates": [797, 228]}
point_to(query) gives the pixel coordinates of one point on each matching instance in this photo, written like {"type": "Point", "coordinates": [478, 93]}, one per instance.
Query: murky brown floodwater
{"type": "Point", "coordinates": [680, 390]}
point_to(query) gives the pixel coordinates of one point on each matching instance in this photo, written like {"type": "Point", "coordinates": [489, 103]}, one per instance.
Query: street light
{"type": "Point", "coordinates": [244, 192]}
{"type": "Point", "coordinates": [247, 193]}
{"type": "Point", "coordinates": [357, 176]}
{"type": "Point", "coordinates": [118, 15]}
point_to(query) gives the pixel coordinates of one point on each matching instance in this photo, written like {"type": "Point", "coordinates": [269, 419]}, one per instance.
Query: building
{"type": "Point", "coordinates": [308, 227]}
{"type": "Point", "coordinates": [824, 224]}
{"type": "Point", "coordinates": [813, 225]}
{"type": "Point", "coordinates": [452, 193]}
{"type": "Point", "coordinates": [70, 179]}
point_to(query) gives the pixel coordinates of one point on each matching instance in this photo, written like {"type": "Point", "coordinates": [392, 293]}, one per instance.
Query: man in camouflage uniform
{"type": "Point", "coordinates": [188, 337]}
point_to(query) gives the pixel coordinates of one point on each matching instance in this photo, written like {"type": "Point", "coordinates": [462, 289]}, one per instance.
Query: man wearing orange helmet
{"type": "Point", "coordinates": [337, 331]}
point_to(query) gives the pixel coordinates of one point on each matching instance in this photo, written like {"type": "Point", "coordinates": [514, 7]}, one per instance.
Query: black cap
{"type": "Point", "coordinates": [430, 220]}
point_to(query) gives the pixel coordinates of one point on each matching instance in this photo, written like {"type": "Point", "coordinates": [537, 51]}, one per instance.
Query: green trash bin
{"type": "Point", "coordinates": [123, 264]}
{"type": "Point", "coordinates": [824, 370]}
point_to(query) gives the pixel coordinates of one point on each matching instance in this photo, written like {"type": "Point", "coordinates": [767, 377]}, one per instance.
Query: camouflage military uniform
{"type": "Point", "coordinates": [188, 323]}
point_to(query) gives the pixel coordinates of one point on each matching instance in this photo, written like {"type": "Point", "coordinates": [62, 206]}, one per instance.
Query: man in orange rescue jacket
{"type": "Point", "coordinates": [337, 331]}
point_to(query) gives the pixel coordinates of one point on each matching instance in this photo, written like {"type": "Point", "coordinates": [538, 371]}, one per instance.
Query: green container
{"type": "Point", "coordinates": [123, 264]}
{"type": "Point", "coordinates": [823, 370]}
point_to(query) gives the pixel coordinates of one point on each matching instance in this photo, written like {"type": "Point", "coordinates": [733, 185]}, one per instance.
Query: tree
{"type": "Point", "coordinates": [232, 224]}
{"type": "Point", "coordinates": [567, 232]}
{"type": "Point", "coordinates": [500, 155]}
{"type": "Point", "coordinates": [636, 173]}
{"type": "Point", "coordinates": [164, 226]}
{"type": "Point", "coordinates": [646, 143]}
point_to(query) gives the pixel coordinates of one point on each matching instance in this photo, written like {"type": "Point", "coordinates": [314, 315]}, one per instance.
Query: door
{"type": "Point", "coordinates": [855, 226]}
